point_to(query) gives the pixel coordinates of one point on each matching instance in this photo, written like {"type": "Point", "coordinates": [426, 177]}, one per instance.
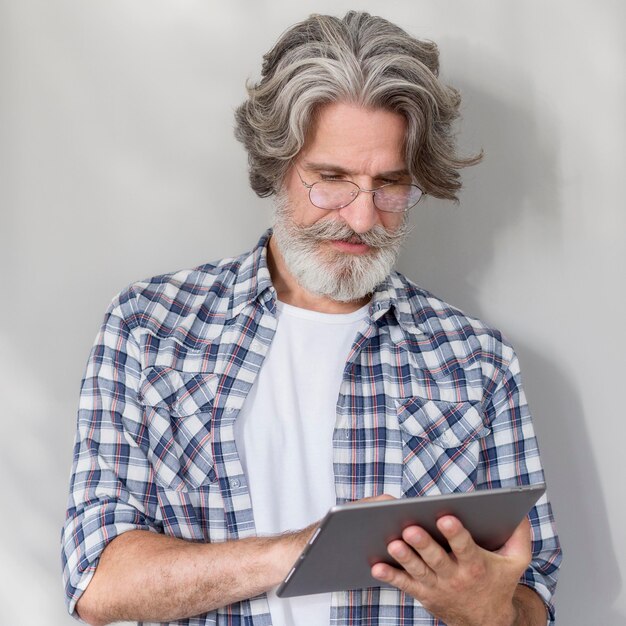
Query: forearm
{"type": "Point", "coordinates": [530, 608]}
{"type": "Point", "coordinates": [143, 576]}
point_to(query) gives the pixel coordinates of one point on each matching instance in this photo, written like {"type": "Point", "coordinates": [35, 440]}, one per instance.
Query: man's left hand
{"type": "Point", "coordinates": [469, 586]}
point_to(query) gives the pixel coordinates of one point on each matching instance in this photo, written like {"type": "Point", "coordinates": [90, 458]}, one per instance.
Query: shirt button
{"type": "Point", "coordinates": [346, 433]}
{"type": "Point", "coordinates": [257, 346]}
{"type": "Point", "coordinates": [235, 483]}
{"type": "Point", "coordinates": [445, 439]}
{"type": "Point", "coordinates": [230, 410]}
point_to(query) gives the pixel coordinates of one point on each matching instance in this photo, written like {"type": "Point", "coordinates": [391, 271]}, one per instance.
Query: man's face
{"type": "Point", "coordinates": [343, 254]}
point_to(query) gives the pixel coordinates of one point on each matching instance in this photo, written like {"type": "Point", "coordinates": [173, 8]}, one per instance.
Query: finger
{"type": "Point", "coordinates": [518, 545]}
{"type": "Point", "coordinates": [410, 561]}
{"type": "Point", "coordinates": [430, 552]}
{"type": "Point", "coordinates": [381, 498]}
{"type": "Point", "coordinates": [396, 578]}
{"type": "Point", "coordinates": [458, 537]}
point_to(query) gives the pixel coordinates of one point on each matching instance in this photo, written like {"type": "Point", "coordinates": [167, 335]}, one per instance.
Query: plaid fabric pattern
{"type": "Point", "coordinates": [431, 402]}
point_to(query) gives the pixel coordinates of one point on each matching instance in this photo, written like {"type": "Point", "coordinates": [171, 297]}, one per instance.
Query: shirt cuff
{"type": "Point", "coordinates": [86, 533]}
{"type": "Point", "coordinates": [529, 579]}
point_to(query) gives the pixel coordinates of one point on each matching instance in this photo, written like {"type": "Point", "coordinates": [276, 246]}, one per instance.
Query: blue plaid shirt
{"type": "Point", "coordinates": [430, 402]}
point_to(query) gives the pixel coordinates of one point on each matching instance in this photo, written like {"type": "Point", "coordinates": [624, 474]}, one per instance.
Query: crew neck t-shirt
{"type": "Point", "coordinates": [284, 435]}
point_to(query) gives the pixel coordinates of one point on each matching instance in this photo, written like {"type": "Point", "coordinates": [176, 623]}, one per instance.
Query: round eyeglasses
{"type": "Point", "coordinates": [337, 194]}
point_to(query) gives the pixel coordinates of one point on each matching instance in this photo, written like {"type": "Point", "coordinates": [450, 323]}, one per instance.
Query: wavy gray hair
{"type": "Point", "coordinates": [363, 60]}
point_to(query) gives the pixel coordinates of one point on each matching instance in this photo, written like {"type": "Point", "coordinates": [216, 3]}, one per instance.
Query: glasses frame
{"type": "Point", "coordinates": [310, 186]}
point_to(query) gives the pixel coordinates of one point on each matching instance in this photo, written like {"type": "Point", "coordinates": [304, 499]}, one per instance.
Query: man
{"type": "Point", "coordinates": [226, 408]}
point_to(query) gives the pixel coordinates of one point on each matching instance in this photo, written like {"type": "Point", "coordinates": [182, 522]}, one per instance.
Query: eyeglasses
{"type": "Point", "coordinates": [337, 194]}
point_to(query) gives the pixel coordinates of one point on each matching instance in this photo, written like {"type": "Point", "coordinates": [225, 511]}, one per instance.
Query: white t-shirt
{"type": "Point", "coordinates": [284, 435]}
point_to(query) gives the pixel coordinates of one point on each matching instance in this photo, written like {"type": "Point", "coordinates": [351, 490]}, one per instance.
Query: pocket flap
{"type": "Point", "coordinates": [183, 429]}
{"type": "Point", "coordinates": [181, 393]}
{"type": "Point", "coordinates": [446, 424]}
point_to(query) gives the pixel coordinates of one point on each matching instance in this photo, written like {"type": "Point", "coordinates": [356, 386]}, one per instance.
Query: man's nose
{"type": "Point", "coordinates": [361, 214]}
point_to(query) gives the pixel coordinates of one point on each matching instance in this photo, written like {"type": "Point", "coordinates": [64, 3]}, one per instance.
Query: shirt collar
{"type": "Point", "coordinates": [392, 295]}
{"type": "Point", "coordinates": [254, 283]}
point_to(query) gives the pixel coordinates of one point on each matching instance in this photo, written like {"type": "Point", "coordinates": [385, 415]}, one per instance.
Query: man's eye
{"type": "Point", "coordinates": [331, 176]}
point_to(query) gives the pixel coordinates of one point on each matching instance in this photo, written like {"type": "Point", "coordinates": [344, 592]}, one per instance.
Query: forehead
{"type": "Point", "coordinates": [362, 140]}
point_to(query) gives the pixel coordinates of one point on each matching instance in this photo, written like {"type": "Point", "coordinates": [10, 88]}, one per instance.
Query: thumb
{"type": "Point", "coordinates": [518, 546]}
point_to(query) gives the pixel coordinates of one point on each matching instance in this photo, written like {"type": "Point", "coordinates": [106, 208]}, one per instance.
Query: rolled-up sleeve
{"type": "Point", "coordinates": [112, 489]}
{"type": "Point", "coordinates": [511, 457]}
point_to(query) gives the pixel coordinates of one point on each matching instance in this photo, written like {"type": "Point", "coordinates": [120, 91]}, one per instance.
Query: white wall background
{"type": "Point", "coordinates": [117, 162]}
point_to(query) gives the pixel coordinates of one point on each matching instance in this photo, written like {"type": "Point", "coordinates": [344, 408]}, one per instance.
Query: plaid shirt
{"type": "Point", "coordinates": [430, 403]}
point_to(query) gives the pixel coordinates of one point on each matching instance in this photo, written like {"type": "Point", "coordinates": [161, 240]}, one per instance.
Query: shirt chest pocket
{"type": "Point", "coordinates": [178, 410]}
{"type": "Point", "coordinates": [441, 445]}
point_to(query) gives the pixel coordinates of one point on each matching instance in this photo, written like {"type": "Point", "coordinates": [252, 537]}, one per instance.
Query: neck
{"type": "Point", "coordinates": [290, 292]}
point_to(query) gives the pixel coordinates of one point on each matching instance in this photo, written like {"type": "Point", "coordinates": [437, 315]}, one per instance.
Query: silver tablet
{"type": "Point", "coordinates": [352, 537]}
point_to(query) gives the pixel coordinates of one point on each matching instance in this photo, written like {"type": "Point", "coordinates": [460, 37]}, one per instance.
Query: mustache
{"type": "Point", "coordinates": [333, 230]}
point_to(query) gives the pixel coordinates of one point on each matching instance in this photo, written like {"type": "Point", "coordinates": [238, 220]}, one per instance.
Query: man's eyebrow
{"type": "Point", "coordinates": [330, 167]}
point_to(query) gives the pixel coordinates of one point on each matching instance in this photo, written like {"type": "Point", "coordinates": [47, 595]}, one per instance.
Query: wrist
{"type": "Point", "coordinates": [508, 616]}
{"type": "Point", "coordinates": [287, 549]}
{"type": "Point", "coordinates": [513, 616]}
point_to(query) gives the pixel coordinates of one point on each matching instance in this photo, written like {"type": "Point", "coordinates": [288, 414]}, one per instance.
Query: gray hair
{"type": "Point", "coordinates": [362, 60]}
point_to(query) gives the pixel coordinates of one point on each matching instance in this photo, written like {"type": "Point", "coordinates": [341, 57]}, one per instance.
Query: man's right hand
{"type": "Point", "coordinates": [144, 576]}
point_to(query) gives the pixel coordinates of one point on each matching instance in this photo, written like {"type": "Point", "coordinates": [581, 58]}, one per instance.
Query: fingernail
{"type": "Point", "coordinates": [400, 551]}
{"type": "Point", "coordinates": [382, 574]}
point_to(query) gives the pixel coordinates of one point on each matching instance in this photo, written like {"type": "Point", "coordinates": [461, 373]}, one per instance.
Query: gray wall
{"type": "Point", "coordinates": [117, 162]}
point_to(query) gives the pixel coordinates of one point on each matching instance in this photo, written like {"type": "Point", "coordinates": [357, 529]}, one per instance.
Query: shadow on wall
{"type": "Point", "coordinates": [453, 246]}
{"type": "Point", "coordinates": [451, 252]}
{"type": "Point", "coordinates": [590, 579]}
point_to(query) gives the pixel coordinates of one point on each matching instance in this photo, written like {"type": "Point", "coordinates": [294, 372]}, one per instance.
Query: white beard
{"type": "Point", "coordinates": [326, 272]}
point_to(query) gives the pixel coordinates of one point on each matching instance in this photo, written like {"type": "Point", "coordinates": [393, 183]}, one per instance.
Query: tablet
{"type": "Point", "coordinates": [352, 537]}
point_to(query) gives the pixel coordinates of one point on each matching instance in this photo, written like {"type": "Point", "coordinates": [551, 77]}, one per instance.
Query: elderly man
{"type": "Point", "coordinates": [225, 408]}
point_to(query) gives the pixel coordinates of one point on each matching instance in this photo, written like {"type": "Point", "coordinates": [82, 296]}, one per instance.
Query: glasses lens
{"type": "Point", "coordinates": [333, 194]}
{"type": "Point", "coordinates": [397, 198]}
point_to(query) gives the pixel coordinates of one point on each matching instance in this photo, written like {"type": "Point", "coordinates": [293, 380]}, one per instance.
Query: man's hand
{"type": "Point", "coordinates": [469, 586]}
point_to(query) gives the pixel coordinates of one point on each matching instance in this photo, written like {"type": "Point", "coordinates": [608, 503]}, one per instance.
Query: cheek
{"type": "Point", "coordinates": [309, 215]}
{"type": "Point", "coordinates": [392, 221]}
{"type": "Point", "coordinates": [299, 209]}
